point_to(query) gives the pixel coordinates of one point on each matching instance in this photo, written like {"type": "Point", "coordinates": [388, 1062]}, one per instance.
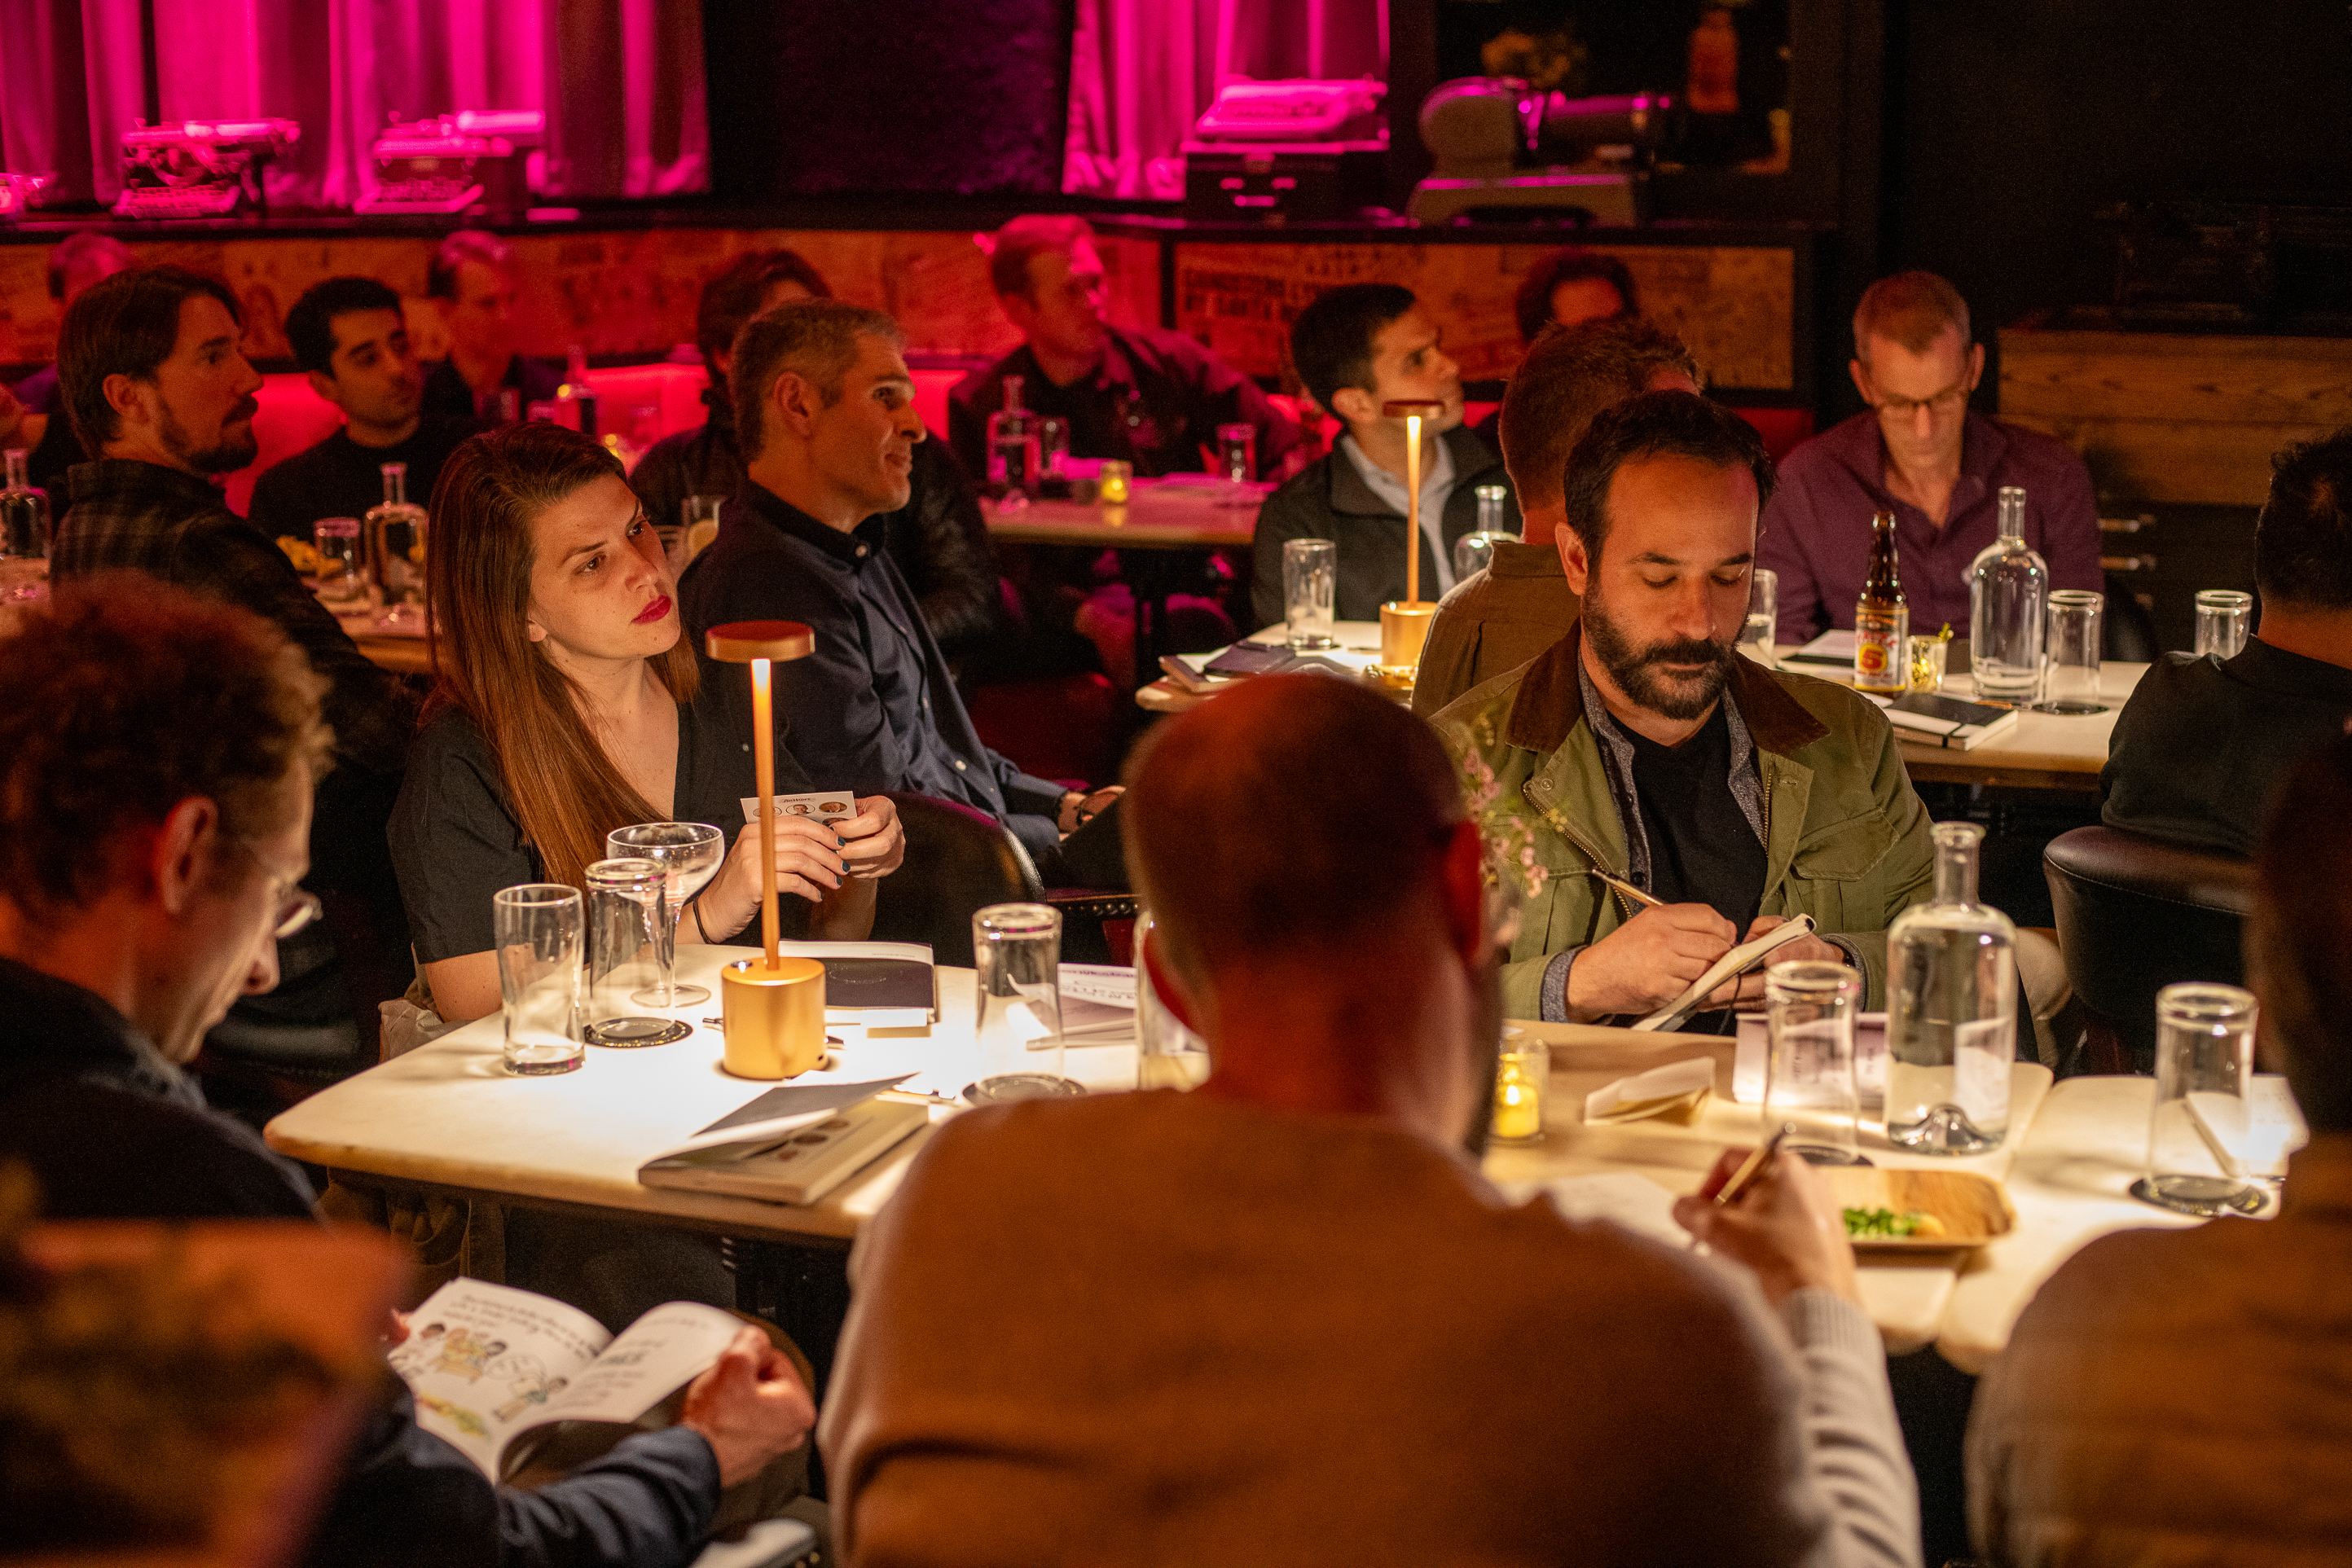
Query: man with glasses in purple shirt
{"type": "Point", "coordinates": [1919, 453]}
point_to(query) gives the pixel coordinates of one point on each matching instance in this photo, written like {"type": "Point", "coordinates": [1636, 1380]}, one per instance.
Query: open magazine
{"type": "Point", "coordinates": [489, 1364]}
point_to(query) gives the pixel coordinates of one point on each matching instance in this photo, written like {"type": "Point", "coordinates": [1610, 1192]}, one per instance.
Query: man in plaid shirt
{"type": "Point", "coordinates": [156, 386]}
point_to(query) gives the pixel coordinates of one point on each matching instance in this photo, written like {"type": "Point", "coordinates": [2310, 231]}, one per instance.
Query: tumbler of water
{"type": "Point", "coordinates": [1763, 623]}
{"type": "Point", "coordinates": [2223, 617]}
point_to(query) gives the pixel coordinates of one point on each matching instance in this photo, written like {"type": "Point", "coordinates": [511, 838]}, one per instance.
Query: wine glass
{"type": "Point", "coordinates": [690, 854]}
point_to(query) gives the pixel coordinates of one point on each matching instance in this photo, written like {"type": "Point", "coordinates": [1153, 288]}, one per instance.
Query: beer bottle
{"type": "Point", "coordinates": [1882, 621]}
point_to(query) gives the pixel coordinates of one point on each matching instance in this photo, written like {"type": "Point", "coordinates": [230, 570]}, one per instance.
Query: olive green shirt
{"type": "Point", "coordinates": [1846, 839]}
{"type": "Point", "coordinates": [1492, 622]}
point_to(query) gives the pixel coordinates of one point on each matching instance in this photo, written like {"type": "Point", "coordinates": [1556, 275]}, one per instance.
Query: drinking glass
{"type": "Point", "coordinates": [1018, 948]}
{"type": "Point", "coordinates": [1237, 452]}
{"type": "Point", "coordinates": [698, 520]}
{"type": "Point", "coordinates": [1053, 446]}
{"type": "Point", "coordinates": [2204, 1066]}
{"type": "Point", "coordinates": [342, 578]}
{"type": "Point", "coordinates": [689, 855]}
{"type": "Point", "coordinates": [1310, 585]}
{"type": "Point", "coordinates": [1927, 655]}
{"type": "Point", "coordinates": [1762, 627]}
{"type": "Point", "coordinates": [1809, 1013]}
{"type": "Point", "coordinates": [1522, 1075]}
{"type": "Point", "coordinates": [2222, 615]}
{"type": "Point", "coordinates": [624, 949]}
{"type": "Point", "coordinates": [2072, 686]}
{"type": "Point", "coordinates": [537, 927]}
{"type": "Point", "coordinates": [1168, 1055]}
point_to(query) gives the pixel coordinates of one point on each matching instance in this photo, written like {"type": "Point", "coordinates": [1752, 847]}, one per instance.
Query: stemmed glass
{"type": "Point", "coordinates": [689, 855]}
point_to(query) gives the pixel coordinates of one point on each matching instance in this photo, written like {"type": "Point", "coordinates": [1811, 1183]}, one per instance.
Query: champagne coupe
{"type": "Point", "coordinates": [690, 853]}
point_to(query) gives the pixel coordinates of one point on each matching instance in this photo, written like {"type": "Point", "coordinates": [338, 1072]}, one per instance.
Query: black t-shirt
{"type": "Point", "coordinates": [455, 842]}
{"type": "Point", "coordinates": [340, 478]}
{"type": "Point", "coordinates": [1701, 848]}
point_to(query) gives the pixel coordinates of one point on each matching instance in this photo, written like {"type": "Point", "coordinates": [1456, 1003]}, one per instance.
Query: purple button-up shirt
{"type": "Point", "coordinates": [1816, 531]}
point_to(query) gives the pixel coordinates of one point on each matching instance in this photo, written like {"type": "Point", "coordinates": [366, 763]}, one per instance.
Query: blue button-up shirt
{"type": "Point", "coordinates": [874, 707]}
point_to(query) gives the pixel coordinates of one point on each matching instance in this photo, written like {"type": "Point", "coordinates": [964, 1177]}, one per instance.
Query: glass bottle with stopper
{"type": "Point", "coordinates": [1882, 622]}
{"type": "Point", "coordinates": [576, 392]}
{"type": "Point", "coordinates": [1404, 622]}
{"type": "Point", "coordinates": [1951, 1010]}
{"type": "Point", "coordinates": [23, 533]}
{"type": "Point", "coordinates": [1015, 444]}
{"type": "Point", "coordinates": [2009, 595]}
{"type": "Point", "coordinates": [396, 535]}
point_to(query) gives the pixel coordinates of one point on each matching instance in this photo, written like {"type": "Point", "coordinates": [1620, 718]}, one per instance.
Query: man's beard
{"type": "Point", "coordinates": [229, 454]}
{"type": "Point", "coordinates": [1636, 671]}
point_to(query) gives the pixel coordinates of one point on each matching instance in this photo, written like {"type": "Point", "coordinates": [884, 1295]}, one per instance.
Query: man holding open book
{"type": "Point", "coordinates": [1667, 797]}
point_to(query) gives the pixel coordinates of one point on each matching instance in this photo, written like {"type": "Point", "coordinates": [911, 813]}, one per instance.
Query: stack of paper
{"type": "Point", "coordinates": [1674, 1092]}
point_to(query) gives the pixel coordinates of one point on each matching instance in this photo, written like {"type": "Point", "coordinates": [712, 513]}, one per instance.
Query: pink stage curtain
{"type": "Point", "coordinates": [1142, 70]}
{"type": "Point", "coordinates": [620, 81]}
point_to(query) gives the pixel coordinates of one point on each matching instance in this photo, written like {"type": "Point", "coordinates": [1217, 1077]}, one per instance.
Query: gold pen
{"type": "Point", "coordinates": [1627, 888]}
{"type": "Point", "coordinates": [1758, 1158]}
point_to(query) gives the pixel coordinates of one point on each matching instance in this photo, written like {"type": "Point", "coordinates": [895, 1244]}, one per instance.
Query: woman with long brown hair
{"type": "Point", "coordinates": [565, 710]}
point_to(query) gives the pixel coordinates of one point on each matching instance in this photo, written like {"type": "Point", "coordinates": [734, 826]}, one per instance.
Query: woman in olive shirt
{"type": "Point", "coordinates": [565, 710]}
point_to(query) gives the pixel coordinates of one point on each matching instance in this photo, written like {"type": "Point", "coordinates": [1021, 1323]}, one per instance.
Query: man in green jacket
{"type": "Point", "coordinates": [1642, 745]}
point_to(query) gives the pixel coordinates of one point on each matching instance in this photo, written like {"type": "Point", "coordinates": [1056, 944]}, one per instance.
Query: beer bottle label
{"type": "Point", "coordinates": [1877, 653]}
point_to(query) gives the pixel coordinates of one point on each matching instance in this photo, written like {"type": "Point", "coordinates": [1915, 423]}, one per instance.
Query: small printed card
{"type": "Point", "coordinates": [1673, 1093]}
{"type": "Point", "coordinates": [822, 806]}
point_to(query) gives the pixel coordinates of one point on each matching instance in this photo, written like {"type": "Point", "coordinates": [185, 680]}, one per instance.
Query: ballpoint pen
{"type": "Point", "coordinates": [1627, 888]}
{"type": "Point", "coordinates": [1758, 1158]}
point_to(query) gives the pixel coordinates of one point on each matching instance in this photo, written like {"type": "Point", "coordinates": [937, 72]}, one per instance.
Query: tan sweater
{"type": "Point", "coordinates": [2182, 1397]}
{"type": "Point", "coordinates": [1494, 622]}
{"type": "Point", "coordinates": [1155, 1328]}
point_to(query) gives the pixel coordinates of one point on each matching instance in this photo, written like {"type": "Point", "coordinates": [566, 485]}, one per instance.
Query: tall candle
{"type": "Point", "coordinates": [764, 773]}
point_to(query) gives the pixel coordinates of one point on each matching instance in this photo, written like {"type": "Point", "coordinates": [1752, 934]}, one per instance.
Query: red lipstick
{"type": "Point", "coordinates": [654, 611]}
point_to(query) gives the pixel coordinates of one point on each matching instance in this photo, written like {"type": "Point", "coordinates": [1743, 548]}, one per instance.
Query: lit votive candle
{"type": "Point", "coordinates": [1111, 484]}
{"type": "Point", "coordinates": [1522, 1075]}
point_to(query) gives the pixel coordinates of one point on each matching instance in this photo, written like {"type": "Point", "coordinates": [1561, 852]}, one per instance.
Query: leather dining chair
{"type": "Point", "coordinates": [2136, 914]}
{"type": "Point", "coordinates": [960, 861]}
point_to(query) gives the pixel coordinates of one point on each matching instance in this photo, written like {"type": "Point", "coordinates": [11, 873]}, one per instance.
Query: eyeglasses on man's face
{"type": "Point", "coordinates": [297, 906]}
{"type": "Point", "coordinates": [1943, 404]}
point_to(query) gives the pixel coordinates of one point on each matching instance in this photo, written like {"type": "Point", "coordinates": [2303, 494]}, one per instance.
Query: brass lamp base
{"type": "Point", "coordinates": [1404, 629]}
{"type": "Point", "coordinates": [774, 1017]}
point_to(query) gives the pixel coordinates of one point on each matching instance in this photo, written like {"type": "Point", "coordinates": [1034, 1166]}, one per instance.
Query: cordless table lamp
{"type": "Point", "coordinates": [1404, 624]}
{"type": "Point", "coordinates": [773, 1006]}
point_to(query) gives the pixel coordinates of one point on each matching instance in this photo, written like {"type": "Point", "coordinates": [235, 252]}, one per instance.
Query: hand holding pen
{"type": "Point", "coordinates": [1769, 1210]}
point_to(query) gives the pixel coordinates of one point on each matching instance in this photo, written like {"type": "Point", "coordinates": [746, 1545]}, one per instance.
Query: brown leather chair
{"type": "Point", "coordinates": [2136, 914]}
{"type": "Point", "coordinates": [960, 861]}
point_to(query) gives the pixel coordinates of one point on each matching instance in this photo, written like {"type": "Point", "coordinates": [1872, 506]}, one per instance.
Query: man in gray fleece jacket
{"type": "Point", "coordinates": [1283, 1319]}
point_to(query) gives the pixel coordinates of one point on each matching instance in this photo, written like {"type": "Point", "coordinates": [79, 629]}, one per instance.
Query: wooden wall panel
{"type": "Point", "coordinates": [2176, 417]}
{"type": "Point", "coordinates": [616, 292]}
{"type": "Point", "coordinates": [1735, 306]}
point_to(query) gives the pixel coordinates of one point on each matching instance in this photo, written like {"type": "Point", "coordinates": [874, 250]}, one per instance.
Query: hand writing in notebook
{"type": "Point", "coordinates": [1747, 990]}
{"type": "Point", "coordinates": [1648, 961]}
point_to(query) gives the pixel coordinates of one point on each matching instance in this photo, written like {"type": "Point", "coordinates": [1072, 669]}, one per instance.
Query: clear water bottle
{"type": "Point", "coordinates": [2009, 594]}
{"type": "Point", "coordinates": [576, 394]}
{"type": "Point", "coordinates": [1951, 1010]}
{"type": "Point", "coordinates": [1014, 449]}
{"type": "Point", "coordinates": [396, 535]}
{"type": "Point", "coordinates": [23, 534]}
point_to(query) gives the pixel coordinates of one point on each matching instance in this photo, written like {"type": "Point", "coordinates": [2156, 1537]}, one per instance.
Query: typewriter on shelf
{"type": "Point", "coordinates": [473, 161]}
{"type": "Point", "coordinates": [199, 169]}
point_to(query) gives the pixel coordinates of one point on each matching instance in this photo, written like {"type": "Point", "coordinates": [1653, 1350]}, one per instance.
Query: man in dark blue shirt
{"type": "Point", "coordinates": [826, 416]}
{"type": "Point", "coordinates": [153, 833]}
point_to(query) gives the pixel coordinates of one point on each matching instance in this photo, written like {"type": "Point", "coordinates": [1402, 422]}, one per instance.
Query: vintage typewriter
{"type": "Point", "coordinates": [474, 161]}
{"type": "Point", "coordinates": [199, 169]}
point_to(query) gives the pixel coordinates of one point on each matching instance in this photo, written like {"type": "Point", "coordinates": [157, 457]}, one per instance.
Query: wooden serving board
{"type": "Point", "coordinates": [1974, 1210]}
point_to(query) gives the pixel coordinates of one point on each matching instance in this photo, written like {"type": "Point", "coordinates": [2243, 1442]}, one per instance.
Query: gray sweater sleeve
{"type": "Point", "coordinates": [1854, 1446]}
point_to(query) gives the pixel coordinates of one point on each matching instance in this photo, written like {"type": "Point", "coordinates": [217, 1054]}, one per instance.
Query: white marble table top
{"type": "Point", "coordinates": [449, 1114]}
{"type": "Point", "coordinates": [1906, 1294]}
